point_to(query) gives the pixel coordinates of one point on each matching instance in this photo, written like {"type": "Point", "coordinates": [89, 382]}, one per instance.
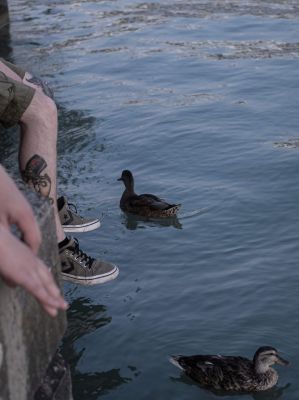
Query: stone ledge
{"type": "Point", "coordinates": [29, 338]}
{"type": "Point", "coordinates": [3, 13]}
{"type": "Point", "coordinates": [57, 382]}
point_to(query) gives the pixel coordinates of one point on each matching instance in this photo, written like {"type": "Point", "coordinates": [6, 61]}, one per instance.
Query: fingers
{"type": "Point", "coordinates": [9, 282]}
{"type": "Point", "coordinates": [19, 266]}
{"type": "Point", "coordinates": [18, 262]}
{"type": "Point", "coordinates": [52, 292]}
{"type": "Point", "coordinates": [29, 228]}
{"type": "Point", "coordinates": [51, 311]}
{"type": "Point", "coordinates": [43, 287]}
{"type": "Point", "coordinates": [49, 303]}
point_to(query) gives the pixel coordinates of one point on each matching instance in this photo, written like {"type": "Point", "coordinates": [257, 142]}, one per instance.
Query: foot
{"type": "Point", "coordinates": [71, 221]}
{"type": "Point", "coordinates": [78, 267]}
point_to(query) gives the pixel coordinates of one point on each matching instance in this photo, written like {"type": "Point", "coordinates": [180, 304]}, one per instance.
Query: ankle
{"type": "Point", "coordinates": [63, 242]}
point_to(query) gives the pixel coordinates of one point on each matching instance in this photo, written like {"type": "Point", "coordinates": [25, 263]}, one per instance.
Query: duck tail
{"type": "Point", "coordinates": [173, 208]}
{"type": "Point", "coordinates": [175, 360]}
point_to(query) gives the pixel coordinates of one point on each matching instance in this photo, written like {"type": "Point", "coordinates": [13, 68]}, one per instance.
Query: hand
{"type": "Point", "coordinates": [20, 266]}
{"type": "Point", "coordinates": [15, 209]}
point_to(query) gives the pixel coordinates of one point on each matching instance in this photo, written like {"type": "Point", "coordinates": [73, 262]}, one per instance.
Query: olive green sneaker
{"type": "Point", "coordinates": [78, 267]}
{"type": "Point", "coordinates": [71, 221]}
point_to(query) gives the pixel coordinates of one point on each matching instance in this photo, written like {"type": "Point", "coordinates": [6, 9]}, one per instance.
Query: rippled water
{"type": "Point", "coordinates": [200, 101]}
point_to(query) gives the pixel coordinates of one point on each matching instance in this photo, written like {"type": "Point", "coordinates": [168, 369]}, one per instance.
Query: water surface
{"type": "Point", "coordinates": [199, 100]}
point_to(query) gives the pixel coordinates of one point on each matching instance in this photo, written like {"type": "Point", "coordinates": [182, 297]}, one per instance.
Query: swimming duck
{"type": "Point", "coordinates": [146, 205]}
{"type": "Point", "coordinates": [230, 373]}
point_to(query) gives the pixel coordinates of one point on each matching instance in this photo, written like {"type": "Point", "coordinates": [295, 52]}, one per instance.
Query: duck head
{"type": "Point", "coordinates": [128, 180]}
{"type": "Point", "coordinates": [265, 357]}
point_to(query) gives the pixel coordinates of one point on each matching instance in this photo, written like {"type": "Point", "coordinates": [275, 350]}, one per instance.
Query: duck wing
{"type": "Point", "coordinates": [147, 205]}
{"type": "Point", "coordinates": [136, 204]}
{"type": "Point", "coordinates": [218, 372]}
{"type": "Point", "coordinates": [154, 202]}
{"type": "Point", "coordinates": [141, 203]}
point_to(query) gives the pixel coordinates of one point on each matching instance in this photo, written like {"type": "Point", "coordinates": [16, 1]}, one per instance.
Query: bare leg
{"type": "Point", "coordinates": [37, 155]}
{"type": "Point", "coordinates": [37, 160]}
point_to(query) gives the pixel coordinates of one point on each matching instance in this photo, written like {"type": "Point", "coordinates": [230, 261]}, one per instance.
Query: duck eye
{"type": "Point", "coordinates": [270, 355]}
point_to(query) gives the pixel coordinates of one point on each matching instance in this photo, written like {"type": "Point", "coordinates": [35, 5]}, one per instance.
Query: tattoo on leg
{"type": "Point", "coordinates": [32, 175]}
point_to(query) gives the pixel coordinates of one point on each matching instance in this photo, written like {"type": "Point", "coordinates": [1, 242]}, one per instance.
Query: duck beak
{"type": "Point", "coordinates": [120, 179]}
{"type": "Point", "coordinates": [282, 361]}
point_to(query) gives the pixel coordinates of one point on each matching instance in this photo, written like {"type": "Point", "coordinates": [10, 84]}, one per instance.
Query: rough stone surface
{"type": "Point", "coordinates": [29, 338]}
{"type": "Point", "coordinates": [3, 13]}
{"type": "Point", "coordinates": [57, 382]}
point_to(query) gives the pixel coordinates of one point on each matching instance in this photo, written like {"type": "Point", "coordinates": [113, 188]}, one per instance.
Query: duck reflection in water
{"type": "Point", "coordinates": [133, 222]}
{"type": "Point", "coordinates": [275, 393]}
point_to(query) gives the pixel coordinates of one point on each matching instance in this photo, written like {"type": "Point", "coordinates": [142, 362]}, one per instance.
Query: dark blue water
{"type": "Point", "coordinates": [200, 101]}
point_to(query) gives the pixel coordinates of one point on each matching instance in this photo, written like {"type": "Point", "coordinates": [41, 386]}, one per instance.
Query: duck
{"type": "Point", "coordinates": [145, 205]}
{"type": "Point", "coordinates": [232, 373]}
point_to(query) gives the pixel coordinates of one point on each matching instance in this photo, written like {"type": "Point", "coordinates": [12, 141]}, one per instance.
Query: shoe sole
{"type": "Point", "coordinates": [81, 228]}
{"type": "Point", "coordinates": [97, 280]}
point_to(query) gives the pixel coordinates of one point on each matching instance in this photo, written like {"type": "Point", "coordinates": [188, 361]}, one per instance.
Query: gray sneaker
{"type": "Point", "coordinates": [71, 221]}
{"type": "Point", "coordinates": [78, 267]}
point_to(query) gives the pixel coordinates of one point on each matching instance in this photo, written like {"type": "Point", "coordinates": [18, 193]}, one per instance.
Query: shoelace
{"type": "Point", "coordinates": [73, 208]}
{"type": "Point", "coordinates": [81, 256]}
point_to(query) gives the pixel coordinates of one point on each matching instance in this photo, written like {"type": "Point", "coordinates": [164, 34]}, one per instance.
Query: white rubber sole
{"type": "Point", "coordinates": [96, 280]}
{"type": "Point", "coordinates": [83, 227]}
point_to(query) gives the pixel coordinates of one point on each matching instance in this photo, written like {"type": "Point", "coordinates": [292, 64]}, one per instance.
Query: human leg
{"type": "Point", "coordinates": [70, 220]}
{"type": "Point", "coordinates": [37, 158]}
{"type": "Point", "coordinates": [37, 155]}
{"type": "Point", "coordinates": [36, 114]}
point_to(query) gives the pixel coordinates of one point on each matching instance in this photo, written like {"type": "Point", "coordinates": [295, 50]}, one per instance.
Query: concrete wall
{"type": "Point", "coordinates": [29, 338]}
{"type": "Point", "coordinates": [31, 368]}
{"type": "Point", "coordinates": [3, 13]}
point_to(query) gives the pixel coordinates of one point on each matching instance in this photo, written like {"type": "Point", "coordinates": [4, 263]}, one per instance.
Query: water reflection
{"type": "Point", "coordinates": [133, 222]}
{"type": "Point", "coordinates": [84, 318]}
{"type": "Point", "coordinates": [92, 385]}
{"type": "Point", "coordinates": [272, 394]}
{"type": "Point", "coordinates": [78, 148]}
{"type": "Point", "coordinates": [9, 147]}
{"type": "Point", "coordinates": [77, 130]}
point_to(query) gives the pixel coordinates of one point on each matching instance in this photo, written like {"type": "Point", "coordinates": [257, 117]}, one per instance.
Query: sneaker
{"type": "Point", "coordinates": [71, 221]}
{"type": "Point", "coordinates": [78, 267]}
